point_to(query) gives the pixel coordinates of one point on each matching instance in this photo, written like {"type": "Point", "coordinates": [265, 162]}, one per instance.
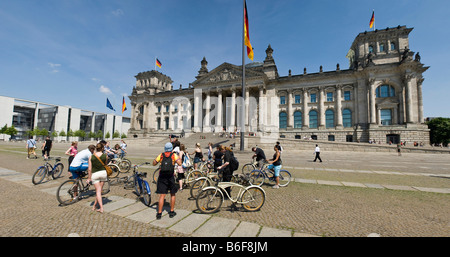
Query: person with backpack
{"type": "Point", "coordinates": [166, 179]}
{"type": "Point", "coordinates": [31, 146]}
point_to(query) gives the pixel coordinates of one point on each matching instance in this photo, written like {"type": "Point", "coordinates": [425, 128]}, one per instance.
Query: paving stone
{"type": "Point", "coordinates": [190, 223]}
{"type": "Point", "coordinates": [434, 190]}
{"type": "Point", "coordinates": [146, 216]}
{"type": "Point", "coordinates": [353, 184]}
{"type": "Point", "coordinates": [395, 187]}
{"type": "Point", "coordinates": [166, 221]}
{"type": "Point", "coordinates": [330, 183]}
{"type": "Point", "coordinates": [246, 229]}
{"type": "Point", "coordinates": [309, 181]}
{"type": "Point", "coordinates": [216, 227]}
{"type": "Point", "coordinates": [130, 209]}
{"type": "Point", "coordinates": [111, 206]}
{"type": "Point", "coordinates": [378, 186]}
{"type": "Point", "coordinates": [273, 232]}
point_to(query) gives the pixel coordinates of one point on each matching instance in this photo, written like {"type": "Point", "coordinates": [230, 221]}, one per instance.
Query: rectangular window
{"type": "Point", "coordinates": [329, 97]}
{"type": "Point", "coordinates": [167, 108]}
{"type": "Point", "coordinates": [386, 117]}
{"type": "Point", "coordinates": [297, 99]}
{"type": "Point", "coordinates": [347, 96]}
{"type": "Point", "coordinates": [313, 98]}
{"type": "Point", "coordinates": [159, 108]}
{"type": "Point", "coordinates": [282, 99]}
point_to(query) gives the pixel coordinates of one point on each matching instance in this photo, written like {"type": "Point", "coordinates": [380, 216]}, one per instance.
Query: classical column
{"type": "Point", "coordinates": [93, 123]}
{"type": "Point", "coordinates": [206, 125]}
{"type": "Point", "coordinates": [262, 102]}
{"type": "Point", "coordinates": [162, 123]}
{"type": "Point", "coordinates": [198, 110]}
{"type": "Point", "coordinates": [233, 110]}
{"type": "Point", "coordinates": [219, 114]}
{"type": "Point", "coordinates": [170, 116]}
{"type": "Point", "coordinates": [305, 114]}
{"type": "Point", "coordinates": [420, 100]}
{"type": "Point", "coordinates": [409, 110]}
{"type": "Point", "coordinates": [339, 106]}
{"type": "Point", "coordinates": [372, 110]}
{"type": "Point", "coordinates": [321, 108]}
{"type": "Point", "coordinates": [290, 112]}
{"type": "Point", "coordinates": [247, 101]}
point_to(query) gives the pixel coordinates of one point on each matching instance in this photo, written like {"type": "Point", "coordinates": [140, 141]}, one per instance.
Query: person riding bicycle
{"type": "Point", "coordinates": [260, 156]}
{"type": "Point", "coordinates": [81, 161]}
{"type": "Point", "coordinates": [166, 179]}
{"type": "Point", "coordinates": [275, 165]}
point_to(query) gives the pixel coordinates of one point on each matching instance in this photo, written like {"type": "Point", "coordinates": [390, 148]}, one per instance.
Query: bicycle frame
{"type": "Point", "coordinates": [223, 185]}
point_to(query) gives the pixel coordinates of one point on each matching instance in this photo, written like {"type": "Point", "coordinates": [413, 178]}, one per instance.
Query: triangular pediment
{"type": "Point", "coordinates": [229, 73]}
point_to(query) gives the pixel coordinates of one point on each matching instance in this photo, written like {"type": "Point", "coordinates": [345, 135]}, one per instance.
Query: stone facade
{"type": "Point", "coordinates": [379, 97]}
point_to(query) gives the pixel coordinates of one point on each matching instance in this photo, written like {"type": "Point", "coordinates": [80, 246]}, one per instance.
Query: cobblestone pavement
{"type": "Point", "coordinates": [398, 208]}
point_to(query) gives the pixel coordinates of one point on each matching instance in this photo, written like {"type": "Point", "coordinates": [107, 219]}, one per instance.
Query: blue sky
{"type": "Point", "coordinates": [78, 52]}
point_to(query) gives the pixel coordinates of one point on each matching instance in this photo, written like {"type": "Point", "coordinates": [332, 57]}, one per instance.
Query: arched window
{"type": "Point", "coordinates": [392, 46]}
{"type": "Point", "coordinates": [381, 47]}
{"type": "Point", "coordinates": [347, 118]}
{"type": "Point", "coordinates": [329, 119]}
{"type": "Point", "coordinates": [385, 91]}
{"type": "Point", "coordinates": [283, 120]}
{"type": "Point", "coordinates": [313, 119]}
{"type": "Point", "coordinates": [297, 119]}
{"type": "Point", "coordinates": [370, 49]}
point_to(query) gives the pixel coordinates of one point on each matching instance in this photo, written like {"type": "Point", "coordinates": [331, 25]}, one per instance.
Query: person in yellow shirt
{"type": "Point", "coordinates": [166, 179]}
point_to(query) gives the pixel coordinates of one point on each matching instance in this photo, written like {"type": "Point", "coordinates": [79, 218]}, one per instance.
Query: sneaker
{"type": "Point", "coordinates": [276, 186]}
{"type": "Point", "coordinates": [172, 214]}
{"type": "Point", "coordinates": [158, 216]}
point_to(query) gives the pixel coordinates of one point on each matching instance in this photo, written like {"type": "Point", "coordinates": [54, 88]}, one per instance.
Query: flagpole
{"type": "Point", "coordinates": [373, 10]}
{"type": "Point", "coordinates": [242, 132]}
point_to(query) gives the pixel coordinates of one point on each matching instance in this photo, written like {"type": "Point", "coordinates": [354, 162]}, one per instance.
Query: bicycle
{"type": "Point", "coordinates": [70, 191]}
{"type": "Point", "coordinates": [211, 178]}
{"type": "Point", "coordinates": [123, 163]}
{"type": "Point", "coordinates": [258, 176]}
{"type": "Point", "coordinates": [249, 167]}
{"type": "Point", "coordinates": [48, 170]}
{"type": "Point", "coordinates": [190, 175]}
{"type": "Point", "coordinates": [211, 198]}
{"type": "Point", "coordinates": [141, 186]}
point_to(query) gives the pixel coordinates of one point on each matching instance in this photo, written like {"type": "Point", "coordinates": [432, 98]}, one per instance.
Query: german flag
{"type": "Point", "coordinates": [158, 63]}
{"type": "Point", "coordinates": [246, 34]}
{"type": "Point", "coordinates": [372, 20]}
{"type": "Point", "coordinates": [124, 105]}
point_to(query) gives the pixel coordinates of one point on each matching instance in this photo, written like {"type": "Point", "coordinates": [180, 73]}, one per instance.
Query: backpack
{"type": "Point", "coordinates": [167, 166]}
{"type": "Point", "coordinates": [234, 163]}
{"type": "Point", "coordinates": [186, 161]}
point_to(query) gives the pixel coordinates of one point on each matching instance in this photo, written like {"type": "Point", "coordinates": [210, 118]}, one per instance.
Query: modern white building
{"type": "Point", "coordinates": [26, 115]}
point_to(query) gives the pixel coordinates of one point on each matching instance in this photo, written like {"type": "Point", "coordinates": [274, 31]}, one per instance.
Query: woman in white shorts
{"type": "Point", "coordinates": [97, 174]}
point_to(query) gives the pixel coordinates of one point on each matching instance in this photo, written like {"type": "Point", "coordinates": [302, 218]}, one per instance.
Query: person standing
{"type": "Point", "coordinates": [166, 179]}
{"type": "Point", "coordinates": [97, 174]}
{"type": "Point", "coordinates": [317, 152]}
{"type": "Point", "coordinates": [72, 151]}
{"type": "Point", "coordinates": [260, 156]}
{"type": "Point", "coordinates": [218, 157]}
{"type": "Point", "coordinates": [31, 146]}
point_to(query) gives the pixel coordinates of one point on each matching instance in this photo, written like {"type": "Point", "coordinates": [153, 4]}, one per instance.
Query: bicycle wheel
{"type": "Point", "coordinates": [146, 197]}
{"type": "Point", "coordinates": [156, 175]}
{"type": "Point", "coordinates": [253, 198]}
{"type": "Point", "coordinates": [137, 188]}
{"type": "Point", "coordinates": [198, 185]}
{"type": "Point", "coordinates": [68, 192]}
{"type": "Point", "coordinates": [106, 187]}
{"type": "Point", "coordinates": [256, 178]}
{"type": "Point", "coordinates": [192, 176]}
{"type": "Point", "coordinates": [39, 175]}
{"type": "Point", "coordinates": [209, 200]}
{"type": "Point", "coordinates": [285, 178]}
{"type": "Point", "coordinates": [248, 168]}
{"type": "Point", "coordinates": [124, 165]}
{"type": "Point", "coordinates": [115, 170]}
{"type": "Point", "coordinates": [57, 171]}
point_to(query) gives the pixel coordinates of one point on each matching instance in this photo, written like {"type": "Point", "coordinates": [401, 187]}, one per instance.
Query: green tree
{"type": "Point", "coordinates": [99, 134]}
{"type": "Point", "coordinates": [12, 131]}
{"type": "Point", "coordinates": [439, 131]}
{"type": "Point", "coordinates": [123, 135]}
{"type": "Point", "coordinates": [116, 134]}
{"type": "Point", "coordinates": [91, 134]}
{"type": "Point", "coordinates": [43, 132]}
{"type": "Point", "coordinates": [62, 133]}
{"type": "Point", "coordinates": [54, 133]}
{"type": "Point", "coordinates": [108, 135]}
{"type": "Point", "coordinates": [80, 133]}
{"type": "Point", "coordinates": [4, 129]}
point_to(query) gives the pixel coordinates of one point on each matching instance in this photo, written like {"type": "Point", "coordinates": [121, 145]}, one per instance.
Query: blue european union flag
{"type": "Point", "coordinates": [109, 105]}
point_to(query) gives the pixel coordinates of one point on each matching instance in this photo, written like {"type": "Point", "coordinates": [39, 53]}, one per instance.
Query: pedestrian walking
{"type": "Point", "coordinates": [31, 147]}
{"type": "Point", "coordinates": [317, 153]}
{"type": "Point", "coordinates": [46, 147]}
{"type": "Point", "coordinates": [166, 180]}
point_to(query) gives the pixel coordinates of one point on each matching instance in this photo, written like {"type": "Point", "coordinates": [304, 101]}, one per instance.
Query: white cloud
{"type": "Point", "coordinates": [117, 12]}
{"type": "Point", "coordinates": [95, 79]}
{"type": "Point", "coordinates": [105, 90]}
{"type": "Point", "coordinates": [54, 66]}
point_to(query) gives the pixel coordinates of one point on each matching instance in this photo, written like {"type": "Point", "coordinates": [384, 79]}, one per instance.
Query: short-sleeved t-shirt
{"type": "Point", "coordinates": [260, 154]}
{"type": "Point", "coordinates": [174, 157]}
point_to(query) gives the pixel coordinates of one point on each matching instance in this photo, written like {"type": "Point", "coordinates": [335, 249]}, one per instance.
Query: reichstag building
{"type": "Point", "coordinates": [379, 97]}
